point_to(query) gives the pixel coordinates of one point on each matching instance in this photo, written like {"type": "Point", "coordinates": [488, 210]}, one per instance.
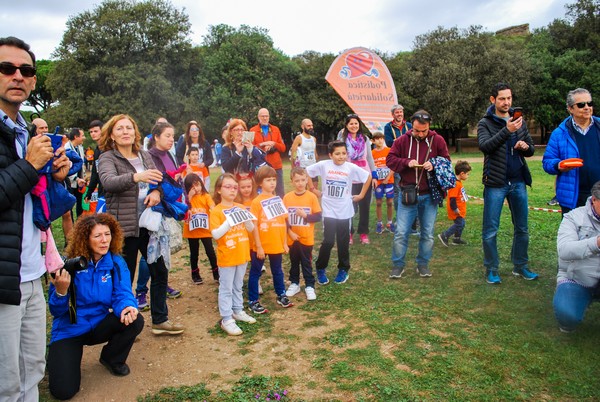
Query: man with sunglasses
{"type": "Point", "coordinates": [410, 157]}
{"type": "Point", "coordinates": [505, 143]}
{"type": "Point", "coordinates": [22, 303]}
{"type": "Point", "coordinates": [578, 136]}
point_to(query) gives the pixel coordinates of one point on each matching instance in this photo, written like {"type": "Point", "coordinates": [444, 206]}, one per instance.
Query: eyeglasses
{"type": "Point", "coordinates": [9, 69]}
{"type": "Point", "coordinates": [580, 105]}
{"type": "Point", "coordinates": [238, 129]}
{"type": "Point", "coordinates": [194, 129]}
{"type": "Point", "coordinates": [421, 116]}
{"type": "Point", "coordinates": [230, 186]}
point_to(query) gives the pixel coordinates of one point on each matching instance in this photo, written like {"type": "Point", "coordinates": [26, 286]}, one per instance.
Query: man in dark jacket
{"type": "Point", "coordinates": [22, 303]}
{"type": "Point", "coordinates": [95, 132]}
{"type": "Point", "coordinates": [410, 158]}
{"type": "Point", "coordinates": [505, 142]}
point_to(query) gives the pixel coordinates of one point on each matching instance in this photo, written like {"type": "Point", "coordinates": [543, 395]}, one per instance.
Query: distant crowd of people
{"type": "Point", "coordinates": [131, 191]}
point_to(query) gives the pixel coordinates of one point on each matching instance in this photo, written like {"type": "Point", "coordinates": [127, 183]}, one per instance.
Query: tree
{"type": "Point", "coordinates": [123, 57]}
{"type": "Point", "coordinates": [242, 72]}
{"type": "Point", "coordinates": [40, 97]}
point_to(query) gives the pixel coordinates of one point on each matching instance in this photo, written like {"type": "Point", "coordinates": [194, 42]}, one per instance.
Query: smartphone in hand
{"type": "Point", "coordinates": [517, 112]}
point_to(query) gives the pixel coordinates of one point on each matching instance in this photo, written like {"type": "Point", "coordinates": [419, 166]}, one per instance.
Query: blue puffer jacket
{"type": "Point", "coordinates": [106, 285]}
{"type": "Point", "coordinates": [562, 146]}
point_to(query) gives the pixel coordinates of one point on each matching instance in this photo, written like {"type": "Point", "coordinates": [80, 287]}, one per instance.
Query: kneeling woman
{"type": "Point", "coordinates": [106, 310]}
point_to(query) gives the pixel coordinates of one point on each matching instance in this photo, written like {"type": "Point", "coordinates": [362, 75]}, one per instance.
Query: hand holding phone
{"type": "Point", "coordinates": [517, 112]}
{"type": "Point", "coordinates": [248, 136]}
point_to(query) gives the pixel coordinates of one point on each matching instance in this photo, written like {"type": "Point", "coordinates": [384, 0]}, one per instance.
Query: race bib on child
{"type": "Point", "coordinates": [237, 215]}
{"type": "Point", "coordinates": [382, 173]}
{"type": "Point", "coordinates": [94, 197]}
{"type": "Point", "coordinates": [463, 192]}
{"type": "Point", "coordinates": [309, 156]}
{"type": "Point", "coordinates": [335, 188]}
{"type": "Point", "coordinates": [198, 221]}
{"type": "Point", "coordinates": [296, 220]}
{"type": "Point", "coordinates": [273, 207]}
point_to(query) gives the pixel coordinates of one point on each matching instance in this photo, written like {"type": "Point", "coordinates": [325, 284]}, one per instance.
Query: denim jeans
{"type": "Point", "coordinates": [571, 300]}
{"type": "Point", "coordinates": [256, 272]}
{"type": "Point", "coordinates": [426, 210]}
{"type": "Point", "coordinates": [143, 277]}
{"type": "Point", "coordinates": [457, 227]}
{"type": "Point", "coordinates": [516, 194]}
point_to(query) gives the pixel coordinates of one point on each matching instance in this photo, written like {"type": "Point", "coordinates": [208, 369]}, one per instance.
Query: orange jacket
{"type": "Point", "coordinates": [273, 158]}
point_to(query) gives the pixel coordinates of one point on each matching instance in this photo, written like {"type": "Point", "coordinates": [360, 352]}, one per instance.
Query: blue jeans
{"type": "Point", "coordinates": [256, 271]}
{"type": "Point", "coordinates": [143, 277]}
{"type": "Point", "coordinates": [516, 194]}
{"type": "Point", "coordinates": [571, 300]}
{"type": "Point", "coordinates": [457, 227]}
{"type": "Point", "coordinates": [426, 210]}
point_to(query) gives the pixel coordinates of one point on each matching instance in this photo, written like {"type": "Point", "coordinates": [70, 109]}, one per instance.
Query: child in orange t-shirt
{"type": "Point", "coordinates": [230, 226]}
{"type": "Point", "coordinates": [304, 210]}
{"type": "Point", "coordinates": [270, 239]}
{"type": "Point", "coordinates": [456, 206]}
{"type": "Point", "coordinates": [247, 191]}
{"type": "Point", "coordinates": [383, 183]}
{"type": "Point", "coordinates": [193, 156]}
{"type": "Point", "coordinates": [195, 227]}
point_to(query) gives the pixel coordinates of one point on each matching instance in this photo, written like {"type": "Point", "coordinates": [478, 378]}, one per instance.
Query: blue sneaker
{"type": "Point", "coordinates": [493, 278]}
{"type": "Point", "coordinates": [341, 277]}
{"type": "Point", "coordinates": [391, 227]}
{"type": "Point", "coordinates": [379, 228]}
{"type": "Point", "coordinates": [525, 274]}
{"type": "Point", "coordinates": [322, 277]}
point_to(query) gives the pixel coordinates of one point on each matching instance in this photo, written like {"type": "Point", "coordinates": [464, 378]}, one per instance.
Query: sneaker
{"type": "Point", "coordinates": [322, 277]}
{"type": "Point", "coordinates": [553, 201]}
{"type": "Point", "coordinates": [341, 277]}
{"type": "Point", "coordinates": [257, 308]}
{"type": "Point", "coordinates": [231, 327]}
{"type": "Point", "coordinates": [379, 228]}
{"type": "Point", "coordinates": [260, 291]}
{"type": "Point", "coordinates": [566, 330]}
{"type": "Point", "coordinates": [364, 239]}
{"type": "Point", "coordinates": [142, 299]}
{"type": "Point", "coordinates": [351, 242]}
{"type": "Point", "coordinates": [396, 272]}
{"type": "Point", "coordinates": [167, 328]}
{"type": "Point", "coordinates": [284, 302]}
{"type": "Point", "coordinates": [116, 369]}
{"type": "Point", "coordinates": [457, 241]}
{"type": "Point", "coordinates": [310, 293]}
{"type": "Point", "coordinates": [391, 227]}
{"type": "Point", "coordinates": [196, 278]}
{"type": "Point", "coordinates": [172, 293]}
{"type": "Point", "coordinates": [293, 290]}
{"type": "Point", "coordinates": [525, 274]}
{"type": "Point", "coordinates": [243, 317]}
{"type": "Point", "coordinates": [492, 277]}
{"type": "Point", "coordinates": [415, 232]}
{"type": "Point", "coordinates": [443, 239]}
{"type": "Point", "coordinates": [423, 271]}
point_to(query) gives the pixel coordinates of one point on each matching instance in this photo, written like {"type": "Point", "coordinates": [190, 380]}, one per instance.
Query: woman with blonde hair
{"type": "Point", "coordinates": [131, 184]}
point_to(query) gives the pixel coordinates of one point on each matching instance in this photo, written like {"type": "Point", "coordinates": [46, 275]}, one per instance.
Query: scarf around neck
{"type": "Point", "coordinates": [356, 147]}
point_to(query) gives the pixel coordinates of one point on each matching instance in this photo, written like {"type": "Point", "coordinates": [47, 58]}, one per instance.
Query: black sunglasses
{"type": "Point", "coordinates": [352, 116]}
{"type": "Point", "coordinates": [421, 116]}
{"type": "Point", "coordinates": [10, 69]}
{"type": "Point", "coordinates": [581, 105]}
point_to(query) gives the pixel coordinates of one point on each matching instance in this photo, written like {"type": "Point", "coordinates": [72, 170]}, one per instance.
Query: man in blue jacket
{"type": "Point", "coordinates": [505, 143]}
{"type": "Point", "coordinates": [578, 136]}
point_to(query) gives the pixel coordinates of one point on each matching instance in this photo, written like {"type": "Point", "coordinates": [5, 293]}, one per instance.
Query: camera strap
{"type": "Point", "coordinates": [72, 302]}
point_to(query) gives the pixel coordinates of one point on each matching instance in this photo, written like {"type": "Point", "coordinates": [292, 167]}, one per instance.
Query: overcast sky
{"type": "Point", "coordinates": [325, 26]}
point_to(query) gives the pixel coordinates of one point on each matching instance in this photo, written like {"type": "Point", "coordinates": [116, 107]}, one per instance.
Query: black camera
{"type": "Point", "coordinates": [73, 265]}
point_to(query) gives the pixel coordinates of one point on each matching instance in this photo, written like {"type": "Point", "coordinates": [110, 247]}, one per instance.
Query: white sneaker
{"type": "Point", "coordinates": [244, 317]}
{"type": "Point", "coordinates": [310, 293]}
{"type": "Point", "coordinates": [293, 290]}
{"type": "Point", "coordinates": [231, 327]}
{"type": "Point", "coordinates": [260, 291]}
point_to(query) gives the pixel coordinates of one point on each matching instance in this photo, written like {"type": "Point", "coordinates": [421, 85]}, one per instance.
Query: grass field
{"type": "Point", "coordinates": [449, 337]}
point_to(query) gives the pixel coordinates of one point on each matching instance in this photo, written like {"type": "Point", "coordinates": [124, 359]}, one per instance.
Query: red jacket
{"type": "Point", "coordinates": [406, 148]}
{"type": "Point", "coordinates": [273, 158]}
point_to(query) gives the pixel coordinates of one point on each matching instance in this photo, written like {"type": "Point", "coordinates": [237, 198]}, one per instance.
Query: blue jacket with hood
{"type": "Point", "coordinates": [562, 146]}
{"type": "Point", "coordinates": [103, 286]}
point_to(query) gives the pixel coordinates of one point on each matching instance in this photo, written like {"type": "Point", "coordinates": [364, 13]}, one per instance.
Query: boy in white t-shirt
{"type": "Point", "coordinates": [336, 201]}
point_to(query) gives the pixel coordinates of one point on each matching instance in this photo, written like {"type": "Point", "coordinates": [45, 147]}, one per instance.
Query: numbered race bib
{"type": "Point", "coordinates": [296, 220]}
{"type": "Point", "coordinates": [463, 192]}
{"type": "Point", "coordinates": [198, 221]}
{"type": "Point", "coordinates": [335, 188]}
{"type": "Point", "coordinates": [94, 197]}
{"type": "Point", "coordinates": [309, 155]}
{"type": "Point", "coordinates": [273, 207]}
{"type": "Point", "coordinates": [382, 173]}
{"type": "Point", "coordinates": [237, 215]}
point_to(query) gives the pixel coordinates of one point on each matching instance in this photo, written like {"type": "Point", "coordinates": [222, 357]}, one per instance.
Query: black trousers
{"type": "Point", "coordinates": [301, 256]}
{"type": "Point", "coordinates": [335, 229]}
{"type": "Point", "coordinates": [195, 252]}
{"type": "Point", "coordinates": [64, 356]}
{"type": "Point", "coordinates": [363, 207]}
